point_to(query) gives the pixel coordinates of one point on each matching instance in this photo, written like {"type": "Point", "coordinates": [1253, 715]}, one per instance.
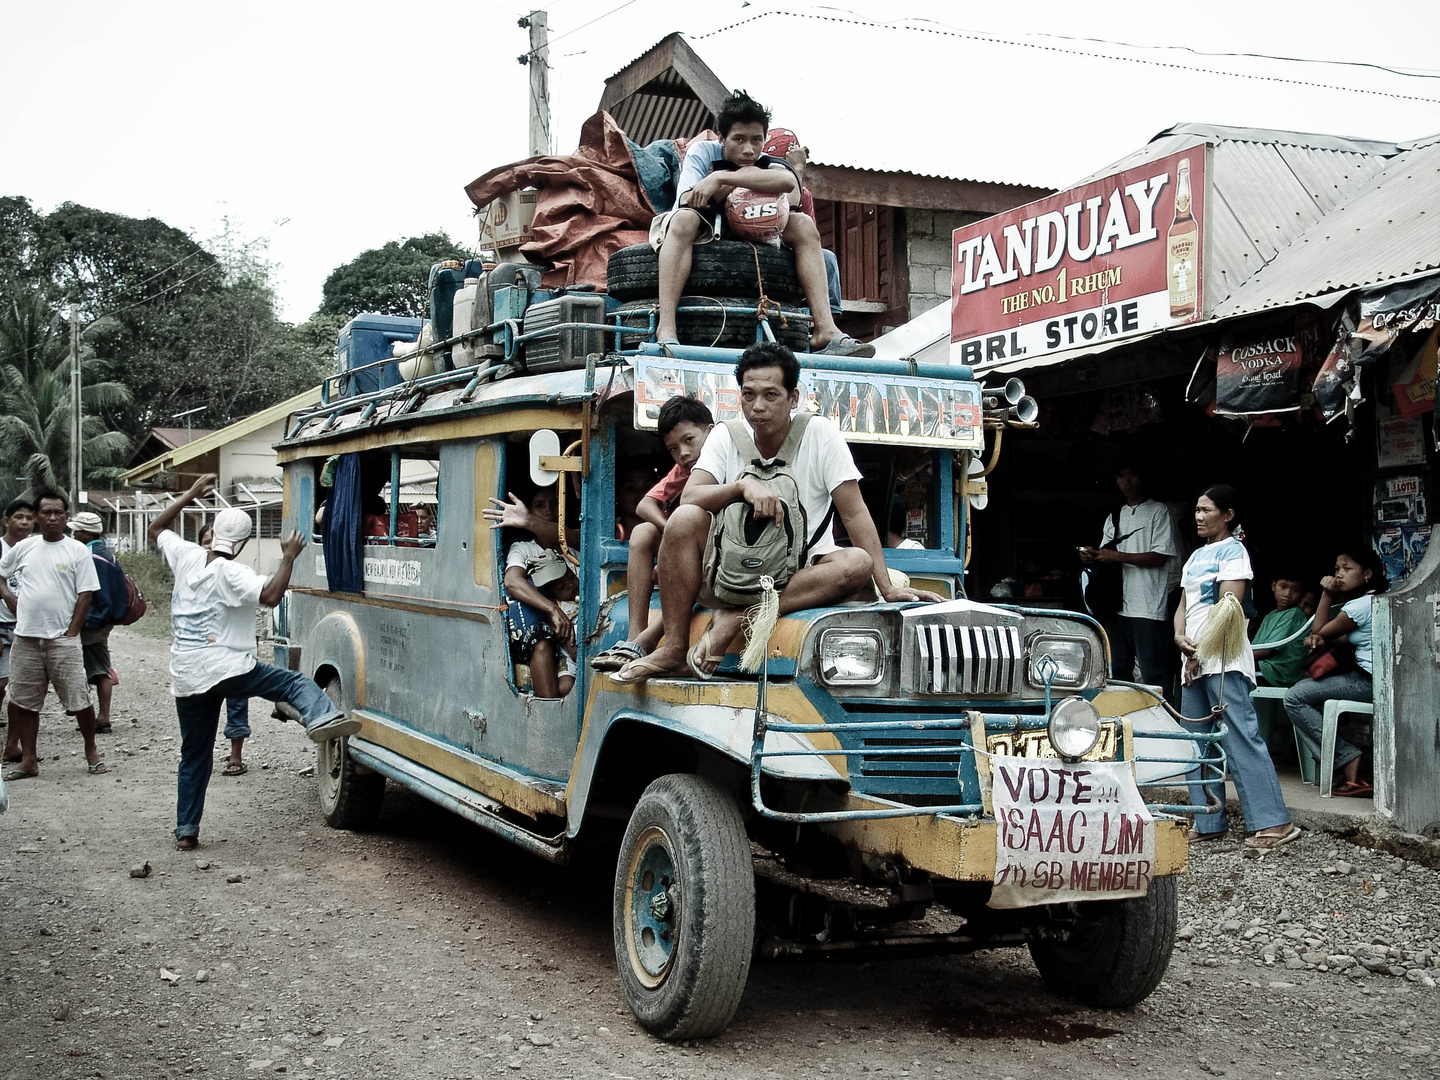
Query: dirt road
{"type": "Point", "coordinates": [427, 949]}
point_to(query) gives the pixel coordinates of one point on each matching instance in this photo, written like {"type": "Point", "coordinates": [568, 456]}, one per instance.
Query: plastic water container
{"type": "Point", "coordinates": [466, 309]}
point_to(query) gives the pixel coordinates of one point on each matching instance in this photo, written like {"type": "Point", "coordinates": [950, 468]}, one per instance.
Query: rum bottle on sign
{"type": "Point", "coordinates": [1183, 248]}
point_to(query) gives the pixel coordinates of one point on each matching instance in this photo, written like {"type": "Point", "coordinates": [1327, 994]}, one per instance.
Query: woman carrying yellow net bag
{"type": "Point", "coordinates": [1219, 674]}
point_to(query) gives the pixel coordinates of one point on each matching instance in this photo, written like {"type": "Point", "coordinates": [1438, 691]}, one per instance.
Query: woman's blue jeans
{"type": "Point", "coordinates": [200, 718]}
{"type": "Point", "coordinates": [1248, 759]}
{"type": "Point", "coordinates": [1305, 702]}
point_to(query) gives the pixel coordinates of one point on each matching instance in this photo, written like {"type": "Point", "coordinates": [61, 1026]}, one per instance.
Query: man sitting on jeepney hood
{"type": "Point", "coordinates": [769, 378]}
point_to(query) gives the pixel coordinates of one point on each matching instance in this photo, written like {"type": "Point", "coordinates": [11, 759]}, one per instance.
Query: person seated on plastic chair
{"type": "Point", "coordinates": [711, 173]}
{"type": "Point", "coordinates": [1279, 665]}
{"type": "Point", "coordinates": [1359, 575]}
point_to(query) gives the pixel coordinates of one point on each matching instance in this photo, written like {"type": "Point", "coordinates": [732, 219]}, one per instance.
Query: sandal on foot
{"type": "Point", "coordinates": [97, 768]}
{"type": "Point", "coordinates": [12, 775]}
{"type": "Point", "coordinates": [617, 656]}
{"type": "Point", "coordinates": [187, 843]}
{"type": "Point", "coordinates": [703, 662]}
{"type": "Point", "coordinates": [845, 345]}
{"type": "Point", "coordinates": [234, 768]}
{"type": "Point", "coordinates": [1197, 837]}
{"type": "Point", "coordinates": [1270, 841]}
{"type": "Point", "coordinates": [637, 671]}
{"type": "Point", "coordinates": [103, 729]}
{"type": "Point", "coordinates": [1353, 789]}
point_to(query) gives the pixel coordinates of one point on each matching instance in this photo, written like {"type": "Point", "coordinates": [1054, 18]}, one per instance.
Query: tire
{"type": "Point", "coordinates": [687, 832]}
{"type": "Point", "coordinates": [721, 267]}
{"type": "Point", "coordinates": [1118, 951]}
{"type": "Point", "coordinates": [724, 322]}
{"type": "Point", "coordinates": [348, 799]}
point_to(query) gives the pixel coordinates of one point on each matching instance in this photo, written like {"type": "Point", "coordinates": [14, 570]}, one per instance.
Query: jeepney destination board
{"type": "Point", "coordinates": [897, 409]}
{"type": "Point", "coordinates": [1113, 258]}
{"type": "Point", "coordinates": [1068, 832]}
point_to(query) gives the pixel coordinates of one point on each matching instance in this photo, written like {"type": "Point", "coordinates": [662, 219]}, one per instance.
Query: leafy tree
{"type": "Point", "coordinates": [35, 428]}
{"type": "Point", "coordinates": [389, 280]}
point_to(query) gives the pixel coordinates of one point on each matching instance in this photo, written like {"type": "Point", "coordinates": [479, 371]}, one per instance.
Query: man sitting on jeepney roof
{"type": "Point", "coordinates": [710, 175]}
{"type": "Point", "coordinates": [827, 479]}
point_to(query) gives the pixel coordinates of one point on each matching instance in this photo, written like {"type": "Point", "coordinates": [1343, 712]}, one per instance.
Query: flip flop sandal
{"type": "Point", "coordinates": [704, 663]}
{"type": "Point", "coordinates": [1353, 789]}
{"type": "Point", "coordinates": [617, 656]}
{"type": "Point", "coordinates": [97, 769]}
{"type": "Point", "coordinates": [1271, 841]}
{"type": "Point", "coordinates": [103, 729]}
{"type": "Point", "coordinates": [12, 775]}
{"type": "Point", "coordinates": [234, 768]}
{"type": "Point", "coordinates": [845, 345]}
{"type": "Point", "coordinates": [638, 671]}
{"type": "Point", "coordinates": [1197, 837]}
{"type": "Point", "coordinates": [187, 843]}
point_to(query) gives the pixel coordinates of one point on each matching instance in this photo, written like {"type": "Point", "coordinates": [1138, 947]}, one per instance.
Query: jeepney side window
{"type": "Point", "coordinates": [400, 497]}
{"type": "Point", "coordinates": [897, 485]}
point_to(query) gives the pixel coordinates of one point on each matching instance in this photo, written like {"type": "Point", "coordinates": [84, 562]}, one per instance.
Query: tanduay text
{"type": "Point", "coordinates": [1085, 265]}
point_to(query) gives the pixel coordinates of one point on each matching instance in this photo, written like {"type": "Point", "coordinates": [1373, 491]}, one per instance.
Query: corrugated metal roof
{"type": "Point", "coordinates": [918, 98]}
{"type": "Point", "coordinates": [1267, 188]}
{"type": "Point", "coordinates": [1387, 230]}
{"type": "Point", "coordinates": [664, 108]}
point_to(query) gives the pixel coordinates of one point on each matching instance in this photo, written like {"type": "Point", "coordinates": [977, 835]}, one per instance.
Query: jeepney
{"type": "Point", "coordinates": [966, 757]}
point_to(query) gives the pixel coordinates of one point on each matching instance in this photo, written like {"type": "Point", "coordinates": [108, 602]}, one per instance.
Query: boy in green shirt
{"type": "Point", "coordinates": [1281, 666]}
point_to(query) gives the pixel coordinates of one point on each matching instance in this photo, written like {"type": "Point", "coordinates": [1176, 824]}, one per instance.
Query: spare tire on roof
{"type": "Point", "coordinates": [722, 321]}
{"type": "Point", "coordinates": [719, 268]}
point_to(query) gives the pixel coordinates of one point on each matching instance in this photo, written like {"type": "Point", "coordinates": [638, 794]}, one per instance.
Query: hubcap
{"type": "Point", "coordinates": [652, 902]}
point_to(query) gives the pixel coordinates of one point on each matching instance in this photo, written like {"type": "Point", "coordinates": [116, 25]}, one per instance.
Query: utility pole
{"type": "Point", "coordinates": [538, 60]}
{"type": "Point", "coordinates": [77, 414]}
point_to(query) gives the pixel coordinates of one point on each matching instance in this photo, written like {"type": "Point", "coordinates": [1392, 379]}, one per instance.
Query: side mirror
{"type": "Point", "coordinates": [544, 443]}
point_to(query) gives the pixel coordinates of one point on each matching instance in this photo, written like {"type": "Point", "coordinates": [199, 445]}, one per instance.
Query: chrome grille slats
{"type": "Point", "coordinates": [964, 658]}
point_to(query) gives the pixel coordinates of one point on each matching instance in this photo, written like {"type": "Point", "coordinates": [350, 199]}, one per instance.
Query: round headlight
{"type": "Point", "coordinates": [1074, 727]}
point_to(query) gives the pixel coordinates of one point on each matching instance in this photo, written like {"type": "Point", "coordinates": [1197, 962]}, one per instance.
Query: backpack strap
{"type": "Point", "coordinates": [791, 446]}
{"type": "Point", "coordinates": [744, 442]}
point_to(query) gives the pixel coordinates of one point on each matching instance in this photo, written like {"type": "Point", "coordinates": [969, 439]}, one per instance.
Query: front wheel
{"type": "Point", "coordinates": [684, 908]}
{"type": "Point", "coordinates": [1116, 951]}
{"type": "Point", "coordinates": [348, 798]}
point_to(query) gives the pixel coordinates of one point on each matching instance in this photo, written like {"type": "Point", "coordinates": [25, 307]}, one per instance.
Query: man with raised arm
{"type": "Point", "coordinates": [212, 609]}
{"type": "Point", "coordinates": [769, 378]}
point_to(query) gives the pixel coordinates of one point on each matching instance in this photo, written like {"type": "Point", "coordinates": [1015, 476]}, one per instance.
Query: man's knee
{"type": "Point", "coordinates": [856, 565]}
{"type": "Point", "coordinates": [685, 525]}
{"type": "Point", "coordinates": [682, 229]}
{"type": "Point", "coordinates": [644, 536]}
{"type": "Point", "coordinates": [799, 229]}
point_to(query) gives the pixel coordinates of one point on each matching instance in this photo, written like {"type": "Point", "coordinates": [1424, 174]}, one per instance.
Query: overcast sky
{"type": "Point", "coordinates": [361, 122]}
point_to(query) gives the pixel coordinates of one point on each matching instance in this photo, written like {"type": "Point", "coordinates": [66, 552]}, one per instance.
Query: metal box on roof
{"type": "Point", "coordinates": [363, 346]}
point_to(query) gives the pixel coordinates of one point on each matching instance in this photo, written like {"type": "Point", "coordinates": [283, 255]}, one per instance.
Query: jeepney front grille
{"type": "Point", "coordinates": [983, 659]}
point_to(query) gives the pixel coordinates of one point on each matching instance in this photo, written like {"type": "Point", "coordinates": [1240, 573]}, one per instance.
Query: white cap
{"type": "Point", "coordinates": [231, 529]}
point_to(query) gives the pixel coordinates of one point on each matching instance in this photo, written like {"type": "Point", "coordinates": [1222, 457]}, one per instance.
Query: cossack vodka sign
{"type": "Point", "coordinates": [1117, 257]}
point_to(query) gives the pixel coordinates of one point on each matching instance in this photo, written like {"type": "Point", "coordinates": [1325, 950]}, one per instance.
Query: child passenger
{"type": "Point", "coordinates": [1281, 666]}
{"type": "Point", "coordinates": [684, 423]}
{"type": "Point", "coordinates": [540, 617]}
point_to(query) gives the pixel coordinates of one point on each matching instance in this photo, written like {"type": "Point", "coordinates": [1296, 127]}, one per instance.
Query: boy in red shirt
{"type": "Point", "coordinates": [684, 423]}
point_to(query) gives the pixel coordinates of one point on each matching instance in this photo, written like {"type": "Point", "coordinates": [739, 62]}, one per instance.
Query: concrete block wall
{"type": "Point", "coordinates": [927, 252]}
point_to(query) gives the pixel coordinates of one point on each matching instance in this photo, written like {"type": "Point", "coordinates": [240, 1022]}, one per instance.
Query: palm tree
{"type": "Point", "coordinates": [35, 408]}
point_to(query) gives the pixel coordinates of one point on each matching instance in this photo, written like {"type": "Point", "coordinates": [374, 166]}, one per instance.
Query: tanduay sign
{"type": "Point", "coordinates": [1116, 257]}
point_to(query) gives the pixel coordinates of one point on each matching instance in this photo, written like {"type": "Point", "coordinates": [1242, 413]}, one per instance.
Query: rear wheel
{"type": "Point", "coordinates": [684, 908]}
{"type": "Point", "coordinates": [1116, 951]}
{"type": "Point", "coordinates": [349, 799]}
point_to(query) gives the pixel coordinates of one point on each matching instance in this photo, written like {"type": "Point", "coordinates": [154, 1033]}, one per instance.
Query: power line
{"type": "Point", "coordinates": [944, 30]}
{"type": "Point", "coordinates": [582, 26]}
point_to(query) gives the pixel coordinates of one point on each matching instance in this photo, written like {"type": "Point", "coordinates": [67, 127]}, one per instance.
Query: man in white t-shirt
{"type": "Point", "coordinates": [18, 523]}
{"type": "Point", "coordinates": [769, 378]}
{"type": "Point", "coordinates": [1141, 629]}
{"type": "Point", "coordinates": [212, 609]}
{"type": "Point", "coordinates": [55, 578]}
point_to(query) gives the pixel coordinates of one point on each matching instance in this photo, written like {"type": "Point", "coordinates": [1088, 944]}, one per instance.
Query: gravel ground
{"type": "Point", "coordinates": [426, 948]}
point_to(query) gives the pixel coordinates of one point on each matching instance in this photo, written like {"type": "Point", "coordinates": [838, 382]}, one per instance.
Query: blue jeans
{"type": "Point", "coordinates": [1248, 760]}
{"type": "Point", "coordinates": [237, 718]}
{"type": "Point", "coordinates": [1305, 704]}
{"type": "Point", "coordinates": [1146, 640]}
{"type": "Point", "coordinates": [200, 715]}
{"type": "Point", "coordinates": [832, 278]}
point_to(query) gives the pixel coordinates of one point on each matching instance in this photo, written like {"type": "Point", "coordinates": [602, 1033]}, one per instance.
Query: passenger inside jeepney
{"type": "Point", "coordinates": [541, 592]}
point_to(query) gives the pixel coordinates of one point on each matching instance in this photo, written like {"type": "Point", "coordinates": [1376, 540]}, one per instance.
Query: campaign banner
{"type": "Point", "coordinates": [1367, 332]}
{"type": "Point", "coordinates": [1111, 259]}
{"type": "Point", "coordinates": [894, 409]}
{"type": "Point", "coordinates": [1068, 832]}
{"type": "Point", "coordinates": [1257, 375]}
